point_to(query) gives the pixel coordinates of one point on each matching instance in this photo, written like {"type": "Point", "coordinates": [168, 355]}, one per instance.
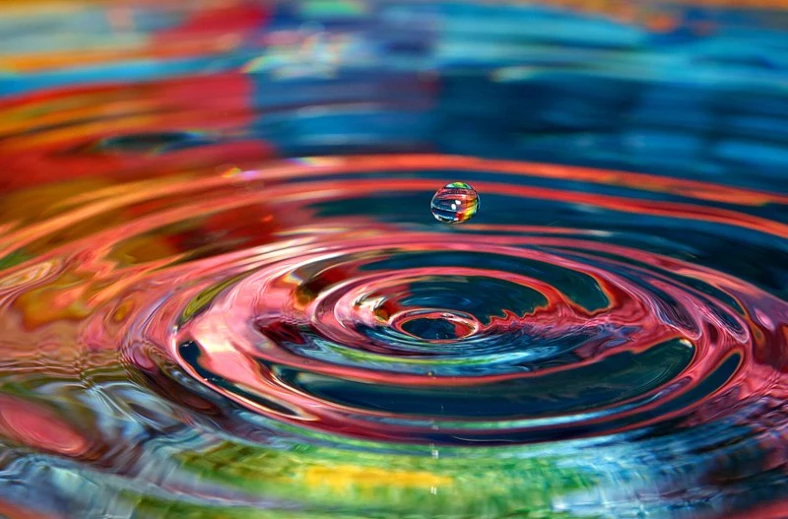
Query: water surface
{"type": "Point", "coordinates": [223, 293]}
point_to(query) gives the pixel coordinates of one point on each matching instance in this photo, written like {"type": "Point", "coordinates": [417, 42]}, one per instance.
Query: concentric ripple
{"type": "Point", "coordinates": [495, 333]}
{"type": "Point", "coordinates": [345, 313]}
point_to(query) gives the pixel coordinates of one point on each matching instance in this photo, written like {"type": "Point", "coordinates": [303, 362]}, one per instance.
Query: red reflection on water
{"type": "Point", "coordinates": [78, 120]}
{"type": "Point", "coordinates": [39, 428]}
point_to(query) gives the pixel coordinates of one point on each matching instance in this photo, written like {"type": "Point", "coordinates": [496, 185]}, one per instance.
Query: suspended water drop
{"type": "Point", "coordinates": [455, 203]}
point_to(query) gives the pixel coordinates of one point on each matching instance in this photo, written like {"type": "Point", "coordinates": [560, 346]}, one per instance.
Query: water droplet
{"type": "Point", "coordinates": [455, 203]}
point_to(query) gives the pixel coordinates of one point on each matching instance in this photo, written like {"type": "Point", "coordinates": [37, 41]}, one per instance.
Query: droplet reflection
{"type": "Point", "coordinates": [456, 202]}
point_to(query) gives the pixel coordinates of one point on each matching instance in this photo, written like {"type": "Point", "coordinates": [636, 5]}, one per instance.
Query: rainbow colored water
{"type": "Point", "coordinates": [223, 293]}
